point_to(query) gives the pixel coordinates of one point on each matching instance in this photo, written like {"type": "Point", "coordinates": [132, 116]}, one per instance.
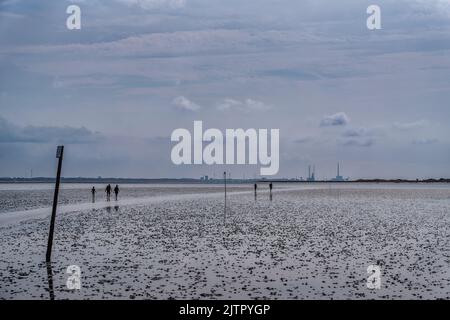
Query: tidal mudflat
{"type": "Point", "coordinates": [180, 242]}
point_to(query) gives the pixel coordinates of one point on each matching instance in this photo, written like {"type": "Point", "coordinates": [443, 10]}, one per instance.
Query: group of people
{"type": "Point", "coordinates": [108, 191]}
{"type": "Point", "coordinates": [270, 187]}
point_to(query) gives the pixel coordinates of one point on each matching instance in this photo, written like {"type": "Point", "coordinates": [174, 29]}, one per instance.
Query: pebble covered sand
{"type": "Point", "coordinates": [307, 242]}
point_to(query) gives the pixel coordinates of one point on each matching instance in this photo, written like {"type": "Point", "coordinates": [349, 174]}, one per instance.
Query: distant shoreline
{"type": "Point", "coordinates": [209, 181]}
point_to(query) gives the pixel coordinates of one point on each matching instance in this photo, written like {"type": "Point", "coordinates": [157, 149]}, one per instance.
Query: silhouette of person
{"type": "Point", "coordinates": [270, 188]}
{"type": "Point", "coordinates": [108, 192]}
{"type": "Point", "coordinates": [93, 194]}
{"type": "Point", "coordinates": [116, 191]}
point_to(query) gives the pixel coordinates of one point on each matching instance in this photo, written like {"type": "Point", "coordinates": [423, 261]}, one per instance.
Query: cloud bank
{"type": "Point", "coordinates": [337, 119]}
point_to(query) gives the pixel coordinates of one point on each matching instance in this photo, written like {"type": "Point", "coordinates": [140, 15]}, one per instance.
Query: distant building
{"type": "Point", "coordinates": [311, 175]}
{"type": "Point", "coordinates": [338, 176]}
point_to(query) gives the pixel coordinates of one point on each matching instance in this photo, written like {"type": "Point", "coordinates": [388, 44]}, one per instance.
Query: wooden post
{"type": "Point", "coordinates": [59, 155]}
{"type": "Point", "coordinates": [51, 291]}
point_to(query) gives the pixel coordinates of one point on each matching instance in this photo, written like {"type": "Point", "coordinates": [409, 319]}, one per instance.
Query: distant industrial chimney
{"type": "Point", "coordinates": [311, 175]}
{"type": "Point", "coordinates": [338, 175]}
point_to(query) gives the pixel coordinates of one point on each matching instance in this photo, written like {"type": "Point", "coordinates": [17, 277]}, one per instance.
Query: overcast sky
{"type": "Point", "coordinates": [113, 92]}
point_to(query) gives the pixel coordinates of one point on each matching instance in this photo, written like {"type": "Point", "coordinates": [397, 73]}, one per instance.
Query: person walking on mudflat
{"type": "Point", "coordinates": [116, 191]}
{"type": "Point", "coordinates": [108, 192]}
{"type": "Point", "coordinates": [270, 193]}
{"type": "Point", "coordinates": [93, 194]}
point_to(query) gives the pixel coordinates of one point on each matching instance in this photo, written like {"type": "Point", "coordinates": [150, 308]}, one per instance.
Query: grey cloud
{"type": "Point", "coordinates": [10, 15]}
{"type": "Point", "coordinates": [106, 82]}
{"type": "Point", "coordinates": [151, 4]}
{"type": "Point", "coordinates": [290, 74]}
{"type": "Point", "coordinates": [178, 43]}
{"type": "Point", "coordinates": [364, 132]}
{"type": "Point", "coordinates": [303, 140]}
{"type": "Point", "coordinates": [244, 105]}
{"type": "Point", "coordinates": [357, 142]}
{"type": "Point", "coordinates": [184, 103]}
{"type": "Point", "coordinates": [10, 133]}
{"type": "Point", "coordinates": [410, 125]}
{"type": "Point", "coordinates": [337, 119]}
{"type": "Point", "coordinates": [304, 57]}
{"type": "Point", "coordinates": [425, 141]}
{"type": "Point", "coordinates": [361, 132]}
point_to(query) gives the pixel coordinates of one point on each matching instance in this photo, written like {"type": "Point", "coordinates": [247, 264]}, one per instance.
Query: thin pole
{"type": "Point", "coordinates": [50, 281]}
{"type": "Point", "coordinates": [59, 155]}
{"type": "Point", "coordinates": [225, 186]}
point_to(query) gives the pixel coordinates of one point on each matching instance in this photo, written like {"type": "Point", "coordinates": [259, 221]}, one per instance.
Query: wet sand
{"type": "Point", "coordinates": [307, 243]}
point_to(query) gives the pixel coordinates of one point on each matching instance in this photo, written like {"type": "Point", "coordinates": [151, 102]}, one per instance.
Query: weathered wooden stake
{"type": "Point", "coordinates": [59, 155]}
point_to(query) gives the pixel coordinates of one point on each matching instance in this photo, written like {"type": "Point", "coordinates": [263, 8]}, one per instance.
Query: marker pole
{"type": "Point", "coordinates": [59, 155]}
{"type": "Point", "coordinates": [225, 187]}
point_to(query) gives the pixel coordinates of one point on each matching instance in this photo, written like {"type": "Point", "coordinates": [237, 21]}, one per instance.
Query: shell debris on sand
{"type": "Point", "coordinates": [311, 243]}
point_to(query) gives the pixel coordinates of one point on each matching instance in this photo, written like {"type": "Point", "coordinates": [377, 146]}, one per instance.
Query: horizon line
{"type": "Point", "coordinates": [285, 179]}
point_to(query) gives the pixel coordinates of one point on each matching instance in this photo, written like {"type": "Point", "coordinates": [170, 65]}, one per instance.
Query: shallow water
{"type": "Point", "coordinates": [161, 242]}
{"type": "Point", "coordinates": [26, 196]}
